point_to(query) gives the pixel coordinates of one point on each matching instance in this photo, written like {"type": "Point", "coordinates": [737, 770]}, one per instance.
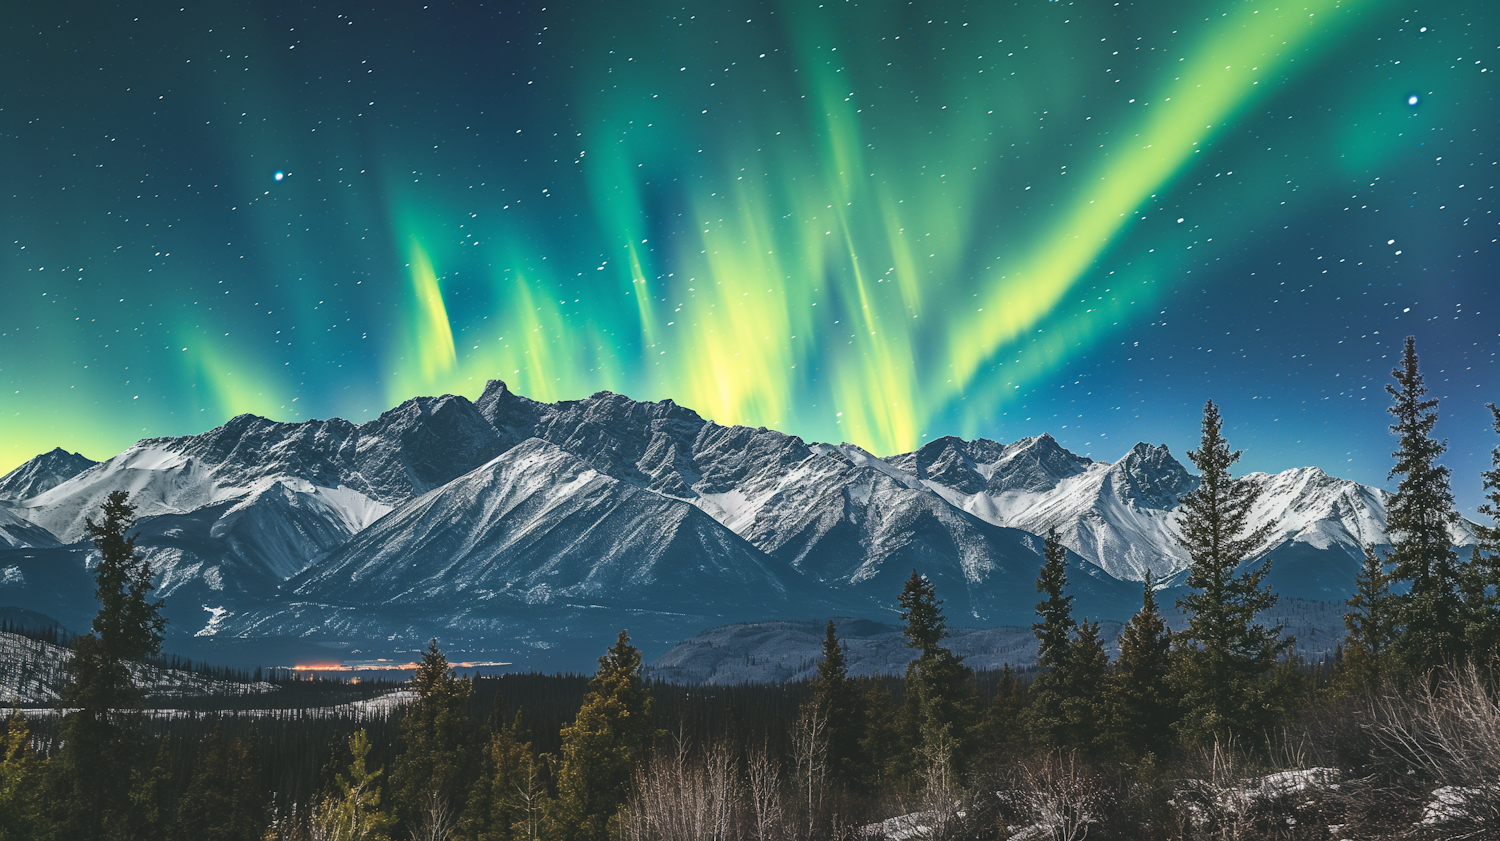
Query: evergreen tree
{"type": "Point", "coordinates": [837, 696]}
{"type": "Point", "coordinates": [1143, 708]}
{"type": "Point", "coordinates": [1054, 629]}
{"type": "Point", "coordinates": [20, 775]}
{"type": "Point", "coordinates": [351, 811]}
{"type": "Point", "coordinates": [506, 804]}
{"type": "Point", "coordinates": [1431, 612]}
{"type": "Point", "coordinates": [937, 707]}
{"type": "Point", "coordinates": [1083, 705]}
{"type": "Point", "coordinates": [881, 745]}
{"type": "Point", "coordinates": [1224, 658]}
{"type": "Point", "coordinates": [223, 801]}
{"type": "Point", "coordinates": [1002, 733]}
{"type": "Point", "coordinates": [1370, 628]}
{"type": "Point", "coordinates": [601, 747]}
{"type": "Point", "coordinates": [433, 772]}
{"type": "Point", "coordinates": [101, 741]}
{"type": "Point", "coordinates": [1482, 574]}
{"type": "Point", "coordinates": [1066, 696]}
{"type": "Point", "coordinates": [154, 797]}
{"type": "Point", "coordinates": [1489, 535]}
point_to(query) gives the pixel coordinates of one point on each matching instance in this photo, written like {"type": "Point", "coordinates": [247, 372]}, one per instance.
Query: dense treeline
{"type": "Point", "coordinates": [1219, 730]}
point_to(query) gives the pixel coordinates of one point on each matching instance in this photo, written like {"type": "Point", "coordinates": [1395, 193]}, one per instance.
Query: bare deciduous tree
{"type": "Point", "coordinates": [763, 774]}
{"type": "Point", "coordinates": [1061, 796]}
{"type": "Point", "coordinates": [436, 821]}
{"type": "Point", "coordinates": [686, 795]}
{"type": "Point", "coordinates": [1448, 730]}
{"type": "Point", "coordinates": [810, 753]}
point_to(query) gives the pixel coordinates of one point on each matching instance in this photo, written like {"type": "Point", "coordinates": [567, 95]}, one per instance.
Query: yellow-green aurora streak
{"type": "Point", "coordinates": [823, 272]}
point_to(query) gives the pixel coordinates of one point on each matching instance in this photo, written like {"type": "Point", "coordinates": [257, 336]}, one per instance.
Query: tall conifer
{"type": "Point", "coordinates": [836, 694]}
{"type": "Point", "coordinates": [601, 747]}
{"type": "Point", "coordinates": [937, 708]}
{"type": "Point", "coordinates": [506, 803]}
{"type": "Point", "coordinates": [1143, 708]}
{"type": "Point", "coordinates": [435, 767]}
{"type": "Point", "coordinates": [1432, 614]}
{"type": "Point", "coordinates": [1054, 628]}
{"type": "Point", "coordinates": [352, 811]}
{"type": "Point", "coordinates": [1370, 627]}
{"type": "Point", "coordinates": [1489, 535]}
{"type": "Point", "coordinates": [1223, 659]}
{"type": "Point", "coordinates": [101, 741]}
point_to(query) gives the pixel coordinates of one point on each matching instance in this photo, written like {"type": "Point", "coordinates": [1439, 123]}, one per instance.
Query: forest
{"type": "Point", "coordinates": [1219, 730]}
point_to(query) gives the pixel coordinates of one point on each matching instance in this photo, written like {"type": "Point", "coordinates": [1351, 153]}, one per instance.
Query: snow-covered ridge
{"type": "Point", "coordinates": [42, 474]}
{"type": "Point", "coordinates": [449, 505]}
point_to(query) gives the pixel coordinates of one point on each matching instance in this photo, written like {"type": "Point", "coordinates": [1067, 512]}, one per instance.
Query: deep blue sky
{"type": "Point", "coordinates": [870, 222]}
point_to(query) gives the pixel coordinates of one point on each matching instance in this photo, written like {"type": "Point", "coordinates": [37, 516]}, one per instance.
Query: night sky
{"type": "Point", "coordinates": [866, 222]}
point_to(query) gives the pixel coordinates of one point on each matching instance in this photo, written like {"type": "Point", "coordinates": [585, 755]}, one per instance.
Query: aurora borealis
{"type": "Point", "coordinates": [867, 222]}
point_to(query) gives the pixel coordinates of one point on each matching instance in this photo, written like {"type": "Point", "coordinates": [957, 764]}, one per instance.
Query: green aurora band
{"type": "Point", "coordinates": [869, 223]}
{"type": "Point", "coordinates": [823, 243]}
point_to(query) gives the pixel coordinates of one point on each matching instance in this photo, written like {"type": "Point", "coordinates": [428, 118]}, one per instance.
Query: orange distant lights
{"type": "Point", "coordinates": [386, 666]}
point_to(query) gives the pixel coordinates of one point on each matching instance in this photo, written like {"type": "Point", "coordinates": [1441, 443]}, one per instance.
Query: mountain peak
{"type": "Point", "coordinates": [1151, 476]}
{"type": "Point", "coordinates": [1037, 463]}
{"type": "Point", "coordinates": [42, 473]}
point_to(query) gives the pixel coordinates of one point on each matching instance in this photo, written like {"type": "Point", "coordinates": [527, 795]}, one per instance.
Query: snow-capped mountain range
{"type": "Point", "coordinates": [534, 520]}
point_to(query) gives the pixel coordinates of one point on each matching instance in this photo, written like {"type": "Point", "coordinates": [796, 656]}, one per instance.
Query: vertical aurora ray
{"type": "Point", "coordinates": [864, 223]}
{"type": "Point", "coordinates": [807, 255]}
{"type": "Point", "coordinates": [433, 336]}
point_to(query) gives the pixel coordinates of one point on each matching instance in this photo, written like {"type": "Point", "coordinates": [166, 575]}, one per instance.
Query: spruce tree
{"type": "Point", "coordinates": [1489, 535]}
{"type": "Point", "coordinates": [433, 772]}
{"type": "Point", "coordinates": [1482, 574]}
{"type": "Point", "coordinates": [1083, 697]}
{"type": "Point", "coordinates": [601, 747]}
{"type": "Point", "coordinates": [1143, 708]}
{"type": "Point", "coordinates": [352, 810]}
{"type": "Point", "coordinates": [839, 700]}
{"type": "Point", "coordinates": [1224, 657]}
{"type": "Point", "coordinates": [1369, 624]}
{"type": "Point", "coordinates": [1054, 628]}
{"type": "Point", "coordinates": [1002, 733]}
{"type": "Point", "coordinates": [937, 709]}
{"type": "Point", "coordinates": [506, 803]}
{"type": "Point", "coordinates": [20, 775]}
{"type": "Point", "coordinates": [1431, 611]}
{"type": "Point", "coordinates": [223, 800]}
{"type": "Point", "coordinates": [101, 740]}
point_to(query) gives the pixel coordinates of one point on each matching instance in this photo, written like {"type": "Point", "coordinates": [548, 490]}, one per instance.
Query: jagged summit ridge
{"type": "Point", "coordinates": [42, 473]}
{"type": "Point", "coordinates": [606, 494]}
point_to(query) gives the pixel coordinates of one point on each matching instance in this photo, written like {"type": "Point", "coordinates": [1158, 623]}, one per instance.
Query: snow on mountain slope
{"type": "Point", "coordinates": [853, 521]}
{"type": "Point", "coordinates": [1123, 517]}
{"type": "Point", "coordinates": [1119, 515]}
{"type": "Point", "coordinates": [242, 507]}
{"type": "Point", "coordinates": [42, 473]}
{"type": "Point", "coordinates": [16, 533]}
{"type": "Point", "coordinates": [264, 525]}
{"type": "Point", "coordinates": [538, 525]}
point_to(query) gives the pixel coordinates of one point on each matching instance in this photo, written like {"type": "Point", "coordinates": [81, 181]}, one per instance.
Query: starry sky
{"type": "Point", "coordinates": [875, 222]}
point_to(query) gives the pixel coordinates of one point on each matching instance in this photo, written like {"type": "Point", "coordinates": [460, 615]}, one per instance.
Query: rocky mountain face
{"type": "Point", "coordinates": [506, 515]}
{"type": "Point", "coordinates": [42, 474]}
